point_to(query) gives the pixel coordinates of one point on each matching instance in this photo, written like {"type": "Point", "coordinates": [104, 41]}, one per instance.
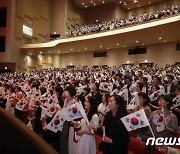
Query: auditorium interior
{"type": "Point", "coordinates": [84, 40]}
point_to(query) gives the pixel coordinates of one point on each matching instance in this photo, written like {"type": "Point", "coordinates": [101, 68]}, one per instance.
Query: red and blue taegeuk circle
{"type": "Point", "coordinates": [134, 121]}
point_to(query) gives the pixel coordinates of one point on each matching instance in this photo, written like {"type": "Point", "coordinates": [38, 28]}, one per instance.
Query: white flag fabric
{"type": "Point", "coordinates": [124, 94]}
{"type": "Point", "coordinates": [154, 96]}
{"type": "Point", "coordinates": [21, 104]}
{"type": "Point", "coordinates": [45, 96]}
{"type": "Point", "coordinates": [72, 112]}
{"type": "Point", "coordinates": [51, 109]}
{"type": "Point", "coordinates": [57, 122]}
{"type": "Point", "coordinates": [176, 102]}
{"type": "Point", "coordinates": [135, 120]}
{"type": "Point", "coordinates": [134, 102]}
{"type": "Point", "coordinates": [158, 120]}
{"type": "Point", "coordinates": [53, 100]}
{"type": "Point", "coordinates": [106, 87]}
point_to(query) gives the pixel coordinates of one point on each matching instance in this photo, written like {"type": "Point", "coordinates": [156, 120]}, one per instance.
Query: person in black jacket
{"type": "Point", "coordinates": [116, 139]}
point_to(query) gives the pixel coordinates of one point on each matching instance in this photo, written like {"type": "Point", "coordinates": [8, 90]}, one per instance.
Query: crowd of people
{"type": "Point", "coordinates": [158, 91]}
{"type": "Point", "coordinates": [100, 26]}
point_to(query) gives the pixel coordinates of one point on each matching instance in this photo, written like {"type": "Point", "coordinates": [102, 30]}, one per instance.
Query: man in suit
{"type": "Point", "coordinates": [170, 86]}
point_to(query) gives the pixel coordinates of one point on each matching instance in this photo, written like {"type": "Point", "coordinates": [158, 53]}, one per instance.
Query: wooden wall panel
{"type": "Point", "coordinates": [19, 8]}
{"type": "Point", "coordinates": [29, 8]}
{"type": "Point", "coordinates": [36, 8]}
{"type": "Point", "coordinates": [18, 29]}
{"type": "Point", "coordinates": [35, 27]}
{"type": "Point", "coordinates": [44, 9]}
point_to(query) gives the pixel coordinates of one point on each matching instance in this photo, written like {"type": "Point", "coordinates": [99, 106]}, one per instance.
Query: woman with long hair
{"type": "Point", "coordinates": [116, 138]}
{"type": "Point", "coordinates": [86, 144]}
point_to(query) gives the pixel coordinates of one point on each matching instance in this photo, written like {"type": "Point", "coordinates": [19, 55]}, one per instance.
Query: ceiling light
{"type": "Point", "coordinates": [103, 2]}
{"type": "Point", "coordinates": [100, 46]}
{"type": "Point", "coordinates": [145, 61]}
{"type": "Point", "coordinates": [85, 48]}
{"type": "Point", "coordinates": [165, 41]}
{"type": "Point", "coordinates": [107, 48]}
{"type": "Point", "coordinates": [82, 3]}
{"type": "Point", "coordinates": [71, 49]}
{"type": "Point", "coordinates": [135, 1]}
{"type": "Point", "coordinates": [143, 44]}
{"type": "Point", "coordinates": [120, 2]}
{"type": "Point", "coordinates": [124, 46]}
{"type": "Point", "coordinates": [117, 44]}
{"type": "Point", "coordinates": [91, 1]}
{"type": "Point", "coordinates": [86, 6]}
{"type": "Point", "coordinates": [160, 38]}
{"type": "Point", "coordinates": [149, 2]}
{"type": "Point", "coordinates": [40, 52]}
{"type": "Point", "coordinates": [137, 41]}
{"type": "Point", "coordinates": [94, 4]}
{"type": "Point", "coordinates": [58, 51]}
{"type": "Point", "coordinates": [127, 62]}
{"type": "Point", "coordinates": [66, 52]}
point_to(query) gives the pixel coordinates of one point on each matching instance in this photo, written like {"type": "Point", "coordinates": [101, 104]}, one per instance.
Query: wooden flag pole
{"type": "Point", "coordinates": [151, 131]}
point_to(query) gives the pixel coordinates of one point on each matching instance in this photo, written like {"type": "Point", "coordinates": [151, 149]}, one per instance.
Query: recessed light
{"type": "Point", "coordinates": [145, 61]}
{"type": "Point", "coordinates": [100, 46]}
{"type": "Point", "coordinates": [149, 2]}
{"type": "Point", "coordinates": [91, 1]}
{"type": "Point", "coordinates": [117, 44]}
{"type": "Point", "coordinates": [40, 52]}
{"type": "Point", "coordinates": [160, 38]}
{"type": "Point", "coordinates": [124, 46]}
{"type": "Point", "coordinates": [66, 52]}
{"type": "Point", "coordinates": [49, 51]}
{"type": "Point", "coordinates": [107, 48]}
{"type": "Point", "coordinates": [127, 62]}
{"type": "Point", "coordinates": [86, 6]}
{"type": "Point", "coordinates": [94, 4]}
{"type": "Point", "coordinates": [120, 2]}
{"type": "Point", "coordinates": [143, 44]}
{"type": "Point", "coordinates": [128, 8]}
{"type": "Point", "coordinates": [85, 48]}
{"type": "Point", "coordinates": [137, 41]}
{"type": "Point", "coordinates": [71, 49]}
{"type": "Point", "coordinates": [58, 51]}
{"type": "Point", "coordinates": [82, 3]}
{"type": "Point", "coordinates": [165, 41]}
{"type": "Point", "coordinates": [135, 1]}
{"type": "Point", "coordinates": [103, 2]}
{"type": "Point", "coordinates": [5, 68]}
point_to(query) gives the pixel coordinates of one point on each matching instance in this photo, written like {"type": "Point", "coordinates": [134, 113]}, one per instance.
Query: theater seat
{"type": "Point", "coordinates": [136, 146]}
{"type": "Point", "coordinates": [98, 140]}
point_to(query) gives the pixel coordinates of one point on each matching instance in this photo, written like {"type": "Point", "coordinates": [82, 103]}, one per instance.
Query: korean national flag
{"type": "Point", "coordinates": [176, 102]}
{"type": "Point", "coordinates": [57, 122]}
{"type": "Point", "coordinates": [154, 96]}
{"type": "Point", "coordinates": [72, 112]}
{"type": "Point", "coordinates": [134, 103]}
{"type": "Point", "coordinates": [22, 105]}
{"type": "Point", "coordinates": [135, 120]}
{"type": "Point", "coordinates": [106, 87]}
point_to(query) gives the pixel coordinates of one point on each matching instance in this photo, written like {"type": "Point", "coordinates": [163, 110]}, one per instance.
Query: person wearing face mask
{"type": "Point", "coordinates": [116, 137]}
{"type": "Point", "coordinates": [164, 123]}
{"type": "Point", "coordinates": [67, 132]}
